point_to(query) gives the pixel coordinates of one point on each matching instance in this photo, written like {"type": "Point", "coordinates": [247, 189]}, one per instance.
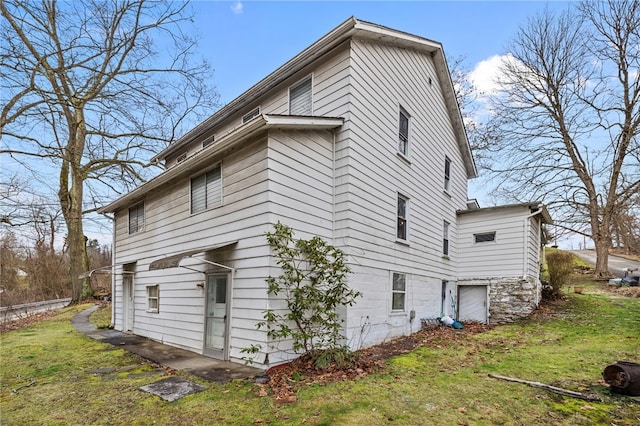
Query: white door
{"type": "Point", "coordinates": [128, 305]}
{"type": "Point", "coordinates": [215, 335]}
{"type": "Point", "coordinates": [472, 303]}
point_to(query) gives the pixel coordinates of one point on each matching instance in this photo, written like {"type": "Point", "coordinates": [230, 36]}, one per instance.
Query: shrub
{"type": "Point", "coordinates": [560, 267]}
{"type": "Point", "coordinates": [313, 284]}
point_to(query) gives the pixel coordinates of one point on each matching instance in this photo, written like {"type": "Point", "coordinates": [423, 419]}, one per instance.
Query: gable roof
{"type": "Point", "coordinates": [352, 27]}
{"type": "Point", "coordinates": [534, 207]}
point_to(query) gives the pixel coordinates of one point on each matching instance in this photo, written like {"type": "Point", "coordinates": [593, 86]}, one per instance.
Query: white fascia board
{"type": "Point", "coordinates": [302, 122]}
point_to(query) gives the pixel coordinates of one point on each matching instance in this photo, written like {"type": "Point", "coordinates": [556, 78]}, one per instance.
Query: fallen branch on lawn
{"type": "Point", "coordinates": [31, 383]}
{"type": "Point", "coordinates": [560, 391]}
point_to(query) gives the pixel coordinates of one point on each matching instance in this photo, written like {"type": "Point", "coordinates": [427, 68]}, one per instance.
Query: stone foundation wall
{"type": "Point", "coordinates": [510, 298]}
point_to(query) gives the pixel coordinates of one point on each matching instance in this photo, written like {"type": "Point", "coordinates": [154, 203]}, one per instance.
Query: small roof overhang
{"type": "Point", "coordinates": [103, 270]}
{"type": "Point", "coordinates": [174, 261]}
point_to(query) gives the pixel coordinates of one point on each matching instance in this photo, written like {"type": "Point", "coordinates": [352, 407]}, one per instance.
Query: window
{"type": "Point", "coordinates": [136, 218]}
{"type": "Point", "coordinates": [445, 238]}
{"type": "Point", "coordinates": [300, 102]}
{"type": "Point", "coordinates": [485, 237]}
{"type": "Point", "coordinates": [181, 157]}
{"type": "Point", "coordinates": [403, 134]}
{"type": "Point", "coordinates": [208, 141]}
{"type": "Point", "coordinates": [447, 174]}
{"type": "Point", "coordinates": [253, 113]}
{"type": "Point", "coordinates": [153, 298]}
{"type": "Point", "coordinates": [444, 296]}
{"type": "Point", "coordinates": [398, 292]}
{"type": "Point", "coordinates": [403, 210]}
{"type": "Point", "coordinates": [206, 191]}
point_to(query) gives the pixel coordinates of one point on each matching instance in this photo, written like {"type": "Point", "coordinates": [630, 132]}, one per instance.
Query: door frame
{"type": "Point", "coordinates": [128, 301]}
{"type": "Point", "coordinates": [222, 353]}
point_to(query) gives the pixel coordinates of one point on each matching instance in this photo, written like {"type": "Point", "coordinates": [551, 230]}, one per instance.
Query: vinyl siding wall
{"type": "Point", "coordinates": [385, 79]}
{"type": "Point", "coordinates": [170, 228]}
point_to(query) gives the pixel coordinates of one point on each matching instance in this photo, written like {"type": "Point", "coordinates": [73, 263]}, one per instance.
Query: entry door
{"type": "Point", "coordinates": [215, 335]}
{"type": "Point", "coordinates": [128, 302]}
{"type": "Point", "coordinates": [472, 303]}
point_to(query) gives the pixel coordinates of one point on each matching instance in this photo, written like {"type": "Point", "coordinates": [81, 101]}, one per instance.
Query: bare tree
{"type": "Point", "coordinates": [569, 116]}
{"type": "Point", "coordinates": [94, 88]}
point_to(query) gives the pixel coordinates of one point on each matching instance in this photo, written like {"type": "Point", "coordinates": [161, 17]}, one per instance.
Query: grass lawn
{"type": "Point", "coordinates": [567, 344]}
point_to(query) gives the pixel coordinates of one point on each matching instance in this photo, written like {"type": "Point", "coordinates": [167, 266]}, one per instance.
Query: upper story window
{"type": "Point", "coordinates": [208, 141]}
{"type": "Point", "coordinates": [206, 190]}
{"type": "Point", "coordinates": [181, 157]}
{"type": "Point", "coordinates": [403, 217]}
{"type": "Point", "coordinates": [445, 238]}
{"type": "Point", "coordinates": [300, 98]}
{"type": "Point", "coordinates": [484, 237]}
{"type": "Point", "coordinates": [136, 218]}
{"type": "Point", "coordinates": [447, 174]}
{"type": "Point", "coordinates": [398, 291]}
{"type": "Point", "coordinates": [403, 133]}
{"type": "Point", "coordinates": [251, 114]}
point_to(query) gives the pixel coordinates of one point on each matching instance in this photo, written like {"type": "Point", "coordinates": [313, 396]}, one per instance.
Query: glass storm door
{"type": "Point", "coordinates": [216, 316]}
{"type": "Point", "coordinates": [128, 308]}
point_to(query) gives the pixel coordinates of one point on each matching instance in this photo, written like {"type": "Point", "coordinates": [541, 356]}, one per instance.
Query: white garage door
{"type": "Point", "coordinates": [472, 303]}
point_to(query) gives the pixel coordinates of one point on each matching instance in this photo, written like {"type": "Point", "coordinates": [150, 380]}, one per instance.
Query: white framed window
{"type": "Point", "coordinates": [447, 174]}
{"type": "Point", "coordinates": [445, 238]}
{"type": "Point", "coordinates": [403, 133]}
{"type": "Point", "coordinates": [402, 230]}
{"type": "Point", "coordinates": [484, 237]}
{"type": "Point", "coordinates": [398, 291]}
{"type": "Point", "coordinates": [153, 298]}
{"type": "Point", "coordinates": [251, 114]}
{"type": "Point", "coordinates": [136, 218]}
{"type": "Point", "coordinates": [206, 190]}
{"type": "Point", "coordinates": [300, 98]}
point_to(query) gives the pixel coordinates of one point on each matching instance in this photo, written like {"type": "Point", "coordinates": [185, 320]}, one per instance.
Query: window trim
{"type": "Point", "coordinates": [447, 174]}
{"type": "Point", "coordinates": [407, 138]}
{"type": "Point", "coordinates": [446, 238]}
{"type": "Point", "coordinates": [207, 204]}
{"type": "Point", "coordinates": [137, 207]}
{"type": "Point", "coordinates": [304, 81]}
{"type": "Point", "coordinates": [406, 200]}
{"type": "Point", "coordinates": [151, 298]}
{"type": "Point", "coordinates": [484, 234]}
{"type": "Point", "coordinates": [251, 115]}
{"type": "Point", "coordinates": [395, 291]}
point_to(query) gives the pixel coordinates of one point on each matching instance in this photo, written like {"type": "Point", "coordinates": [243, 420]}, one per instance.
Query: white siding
{"type": "Point", "coordinates": [170, 228]}
{"type": "Point", "coordinates": [504, 257]}
{"type": "Point", "coordinates": [371, 173]}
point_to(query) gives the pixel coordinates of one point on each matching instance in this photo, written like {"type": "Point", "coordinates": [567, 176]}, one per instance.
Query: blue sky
{"type": "Point", "coordinates": [245, 41]}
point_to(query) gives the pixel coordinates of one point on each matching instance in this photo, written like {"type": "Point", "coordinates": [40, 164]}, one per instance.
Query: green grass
{"type": "Point", "coordinates": [444, 384]}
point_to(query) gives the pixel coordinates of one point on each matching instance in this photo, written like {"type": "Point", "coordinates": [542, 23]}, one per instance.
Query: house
{"type": "Point", "coordinates": [358, 139]}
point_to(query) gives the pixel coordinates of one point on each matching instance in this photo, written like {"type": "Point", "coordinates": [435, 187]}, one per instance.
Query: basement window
{"type": "Point", "coordinates": [485, 237]}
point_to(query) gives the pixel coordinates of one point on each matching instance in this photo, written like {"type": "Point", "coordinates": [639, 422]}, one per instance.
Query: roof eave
{"type": "Point", "coordinates": [260, 123]}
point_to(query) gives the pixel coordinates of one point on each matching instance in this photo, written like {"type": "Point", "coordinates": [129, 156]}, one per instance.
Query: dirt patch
{"type": "Point", "coordinates": [284, 380]}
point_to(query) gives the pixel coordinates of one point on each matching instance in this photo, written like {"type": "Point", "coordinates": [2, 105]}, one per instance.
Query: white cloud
{"type": "Point", "coordinates": [483, 76]}
{"type": "Point", "coordinates": [237, 7]}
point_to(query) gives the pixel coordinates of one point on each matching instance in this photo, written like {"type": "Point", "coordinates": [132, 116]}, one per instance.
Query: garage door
{"type": "Point", "coordinates": [472, 303]}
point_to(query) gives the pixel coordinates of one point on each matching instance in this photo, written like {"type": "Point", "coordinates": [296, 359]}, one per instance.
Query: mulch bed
{"type": "Point", "coordinates": [285, 380]}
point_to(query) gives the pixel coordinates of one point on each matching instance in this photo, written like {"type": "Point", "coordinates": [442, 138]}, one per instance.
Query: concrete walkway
{"type": "Point", "coordinates": [178, 359]}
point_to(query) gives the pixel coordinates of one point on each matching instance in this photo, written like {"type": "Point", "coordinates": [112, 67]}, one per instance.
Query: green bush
{"type": "Point", "coordinates": [560, 267]}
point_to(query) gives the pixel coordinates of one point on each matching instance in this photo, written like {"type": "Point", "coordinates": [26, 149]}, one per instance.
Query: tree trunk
{"type": "Point", "coordinates": [602, 257]}
{"type": "Point", "coordinates": [71, 203]}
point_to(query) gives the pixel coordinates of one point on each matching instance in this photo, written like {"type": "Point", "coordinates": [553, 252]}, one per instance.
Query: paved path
{"type": "Point", "coordinates": [179, 359]}
{"type": "Point", "coordinates": [616, 264]}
